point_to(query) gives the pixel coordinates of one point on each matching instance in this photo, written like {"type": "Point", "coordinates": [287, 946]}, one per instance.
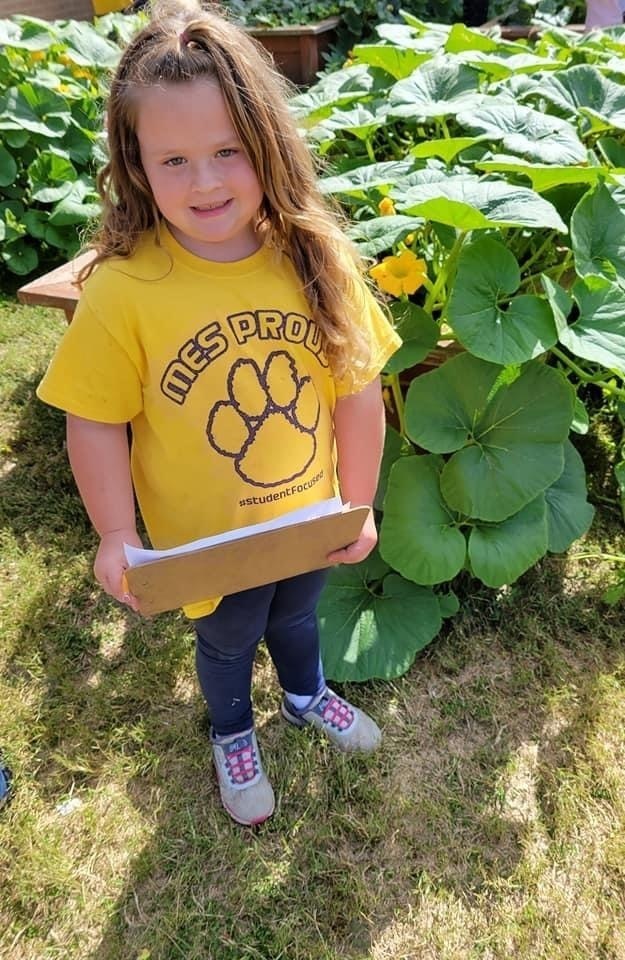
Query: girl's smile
{"type": "Point", "coordinates": [215, 208]}
{"type": "Point", "coordinates": [202, 180]}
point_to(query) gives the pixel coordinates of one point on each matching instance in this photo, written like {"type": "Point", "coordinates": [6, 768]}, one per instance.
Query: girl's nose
{"type": "Point", "coordinates": [206, 176]}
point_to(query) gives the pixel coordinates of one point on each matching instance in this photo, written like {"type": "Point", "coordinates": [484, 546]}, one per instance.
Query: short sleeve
{"type": "Point", "coordinates": [380, 335]}
{"type": "Point", "coordinates": [92, 374]}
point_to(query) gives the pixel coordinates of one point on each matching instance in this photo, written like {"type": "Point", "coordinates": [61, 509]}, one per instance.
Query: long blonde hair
{"type": "Point", "coordinates": [184, 41]}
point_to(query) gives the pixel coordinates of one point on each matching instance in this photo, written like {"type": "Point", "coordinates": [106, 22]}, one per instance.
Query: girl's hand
{"type": "Point", "coordinates": [361, 547]}
{"type": "Point", "coordinates": [110, 564]}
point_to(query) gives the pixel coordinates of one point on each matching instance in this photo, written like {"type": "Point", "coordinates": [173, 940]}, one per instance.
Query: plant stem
{"type": "Point", "coordinates": [587, 378]}
{"type": "Point", "coordinates": [392, 381]}
{"type": "Point", "coordinates": [538, 252]}
{"type": "Point", "coordinates": [445, 272]}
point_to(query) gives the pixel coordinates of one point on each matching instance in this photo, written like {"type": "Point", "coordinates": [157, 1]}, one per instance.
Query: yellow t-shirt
{"type": "Point", "coordinates": [219, 370]}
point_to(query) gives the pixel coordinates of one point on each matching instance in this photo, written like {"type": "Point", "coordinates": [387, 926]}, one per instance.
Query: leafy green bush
{"type": "Point", "coordinates": [503, 165]}
{"type": "Point", "coordinates": [51, 77]}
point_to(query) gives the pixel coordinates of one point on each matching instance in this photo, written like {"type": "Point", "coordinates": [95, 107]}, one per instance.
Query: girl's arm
{"type": "Point", "coordinates": [100, 460]}
{"type": "Point", "coordinates": [359, 435]}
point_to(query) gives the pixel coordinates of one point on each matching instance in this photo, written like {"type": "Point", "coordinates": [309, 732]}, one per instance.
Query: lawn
{"type": "Point", "coordinates": [491, 825]}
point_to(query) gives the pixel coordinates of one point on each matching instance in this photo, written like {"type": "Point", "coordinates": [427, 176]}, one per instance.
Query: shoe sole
{"type": "Point", "coordinates": [247, 823]}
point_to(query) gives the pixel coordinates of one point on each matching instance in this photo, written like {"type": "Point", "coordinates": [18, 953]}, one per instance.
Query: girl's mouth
{"type": "Point", "coordinates": [212, 209]}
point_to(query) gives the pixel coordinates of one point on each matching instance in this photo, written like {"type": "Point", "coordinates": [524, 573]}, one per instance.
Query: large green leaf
{"type": "Point", "coordinates": [501, 552]}
{"type": "Point", "coordinates": [88, 48]}
{"type": "Point", "coordinates": [442, 405]}
{"type": "Point", "coordinates": [79, 145]}
{"type": "Point", "coordinates": [19, 257]}
{"type": "Point", "coordinates": [487, 320]}
{"type": "Point", "coordinates": [446, 149]}
{"type": "Point", "coordinates": [35, 109]}
{"type": "Point", "coordinates": [374, 630]}
{"type": "Point", "coordinates": [394, 60]}
{"type": "Point", "coordinates": [362, 120]}
{"type": "Point", "coordinates": [78, 205]}
{"type": "Point", "coordinates": [336, 88]}
{"type": "Point", "coordinates": [497, 67]}
{"type": "Point", "coordinates": [48, 168]}
{"type": "Point", "coordinates": [530, 133]}
{"type": "Point", "coordinates": [420, 536]}
{"type": "Point", "coordinates": [598, 334]}
{"type": "Point", "coordinates": [462, 38]}
{"type": "Point", "coordinates": [360, 180]}
{"type": "Point", "coordinates": [569, 514]}
{"type": "Point", "coordinates": [436, 89]}
{"type": "Point", "coordinates": [544, 176]}
{"type": "Point", "coordinates": [583, 86]}
{"type": "Point", "coordinates": [598, 235]}
{"type": "Point", "coordinates": [508, 437]}
{"type": "Point", "coordinates": [382, 233]}
{"type": "Point", "coordinates": [426, 543]}
{"type": "Point", "coordinates": [419, 335]}
{"type": "Point", "coordinates": [468, 203]}
{"type": "Point", "coordinates": [414, 35]}
{"type": "Point", "coordinates": [28, 33]}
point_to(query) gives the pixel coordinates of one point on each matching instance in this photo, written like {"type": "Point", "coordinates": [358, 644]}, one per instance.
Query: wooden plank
{"type": "Point", "coordinates": [58, 288]}
{"type": "Point", "coordinates": [48, 9]}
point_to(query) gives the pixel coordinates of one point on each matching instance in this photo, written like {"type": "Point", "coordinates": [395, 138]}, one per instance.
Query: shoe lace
{"type": "Point", "coordinates": [241, 760]}
{"type": "Point", "coordinates": [336, 713]}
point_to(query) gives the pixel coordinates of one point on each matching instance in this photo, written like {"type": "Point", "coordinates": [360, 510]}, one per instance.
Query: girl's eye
{"type": "Point", "coordinates": [174, 161]}
{"type": "Point", "coordinates": [227, 152]}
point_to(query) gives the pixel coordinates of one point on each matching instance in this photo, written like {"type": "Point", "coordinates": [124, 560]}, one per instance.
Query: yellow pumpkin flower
{"type": "Point", "coordinates": [403, 273]}
{"type": "Point", "coordinates": [386, 207]}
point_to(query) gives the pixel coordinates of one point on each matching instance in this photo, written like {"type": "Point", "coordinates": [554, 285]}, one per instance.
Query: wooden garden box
{"type": "Point", "coordinates": [298, 50]}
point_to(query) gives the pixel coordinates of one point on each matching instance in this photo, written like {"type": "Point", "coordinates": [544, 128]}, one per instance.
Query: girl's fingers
{"type": "Point", "coordinates": [353, 553]}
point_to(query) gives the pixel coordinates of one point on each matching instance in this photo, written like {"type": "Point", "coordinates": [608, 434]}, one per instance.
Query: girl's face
{"type": "Point", "coordinates": [202, 180]}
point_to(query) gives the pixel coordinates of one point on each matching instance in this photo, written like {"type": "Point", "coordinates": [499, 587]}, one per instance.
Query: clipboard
{"type": "Point", "coordinates": [251, 561]}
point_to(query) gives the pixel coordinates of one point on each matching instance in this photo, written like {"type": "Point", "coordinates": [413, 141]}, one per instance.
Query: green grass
{"type": "Point", "coordinates": [491, 826]}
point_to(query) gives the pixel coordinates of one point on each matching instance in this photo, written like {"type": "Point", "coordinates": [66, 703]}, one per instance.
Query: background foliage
{"type": "Point", "coordinates": [502, 166]}
{"type": "Point", "coordinates": [52, 77]}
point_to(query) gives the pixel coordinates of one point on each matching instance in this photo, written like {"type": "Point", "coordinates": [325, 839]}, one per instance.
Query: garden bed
{"type": "Point", "coordinates": [298, 50]}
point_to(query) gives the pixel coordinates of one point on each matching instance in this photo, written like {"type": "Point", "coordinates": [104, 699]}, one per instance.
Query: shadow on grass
{"type": "Point", "coordinates": [355, 843]}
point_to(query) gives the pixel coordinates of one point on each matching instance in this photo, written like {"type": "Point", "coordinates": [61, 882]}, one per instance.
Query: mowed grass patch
{"type": "Point", "coordinates": [491, 825]}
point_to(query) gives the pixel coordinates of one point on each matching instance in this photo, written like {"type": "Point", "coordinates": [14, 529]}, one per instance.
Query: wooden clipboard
{"type": "Point", "coordinates": [252, 561]}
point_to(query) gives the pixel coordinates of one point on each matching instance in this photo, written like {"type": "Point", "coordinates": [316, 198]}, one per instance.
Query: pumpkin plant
{"type": "Point", "coordinates": [485, 181]}
{"type": "Point", "coordinates": [51, 78]}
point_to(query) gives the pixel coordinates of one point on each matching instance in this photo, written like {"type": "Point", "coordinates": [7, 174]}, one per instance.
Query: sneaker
{"type": "Point", "coordinates": [346, 726]}
{"type": "Point", "coordinates": [245, 790]}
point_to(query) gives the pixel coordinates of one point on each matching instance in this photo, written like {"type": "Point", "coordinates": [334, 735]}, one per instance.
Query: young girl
{"type": "Point", "coordinates": [227, 323]}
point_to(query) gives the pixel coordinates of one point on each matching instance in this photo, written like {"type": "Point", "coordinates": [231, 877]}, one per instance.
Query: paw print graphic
{"type": "Point", "coordinates": [267, 425]}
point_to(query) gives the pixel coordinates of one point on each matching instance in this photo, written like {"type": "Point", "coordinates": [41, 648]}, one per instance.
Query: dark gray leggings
{"type": "Point", "coordinates": [285, 614]}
